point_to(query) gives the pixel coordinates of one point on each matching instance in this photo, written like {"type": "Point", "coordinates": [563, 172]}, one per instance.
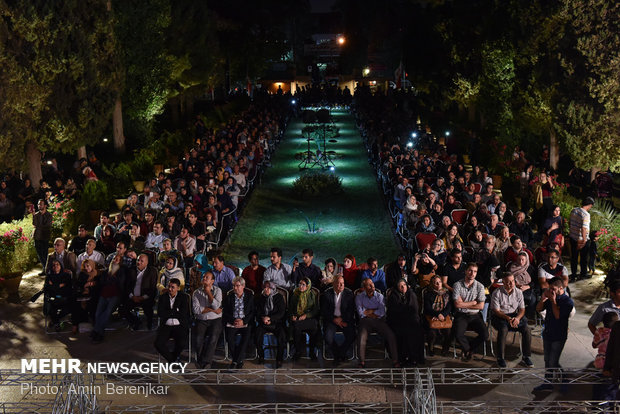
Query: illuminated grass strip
{"type": "Point", "coordinates": [354, 222]}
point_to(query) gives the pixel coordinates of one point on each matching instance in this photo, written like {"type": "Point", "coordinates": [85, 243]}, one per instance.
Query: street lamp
{"type": "Point", "coordinates": [366, 71]}
{"type": "Point", "coordinates": [341, 40]}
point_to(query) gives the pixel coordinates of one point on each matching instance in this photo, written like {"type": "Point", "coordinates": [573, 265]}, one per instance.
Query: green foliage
{"type": "Point", "coordinates": [606, 221]}
{"type": "Point", "coordinates": [17, 253]}
{"type": "Point", "coordinates": [590, 108]}
{"type": "Point", "coordinates": [165, 150]}
{"type": "Point", "coordinates": [63, 216]}
{"type": "Point", "coordinates": [142, 164]}
{"type": "Point", "coordinates": [57, 84]}
{"type": "Point", "coordinates": [95, 196]}
{"type": "Point", "coordinates": [317, 184]}
{"type": "Point", "coordinates": [146, 64]}
{"type": "Point", "coordinates": [120, 177]}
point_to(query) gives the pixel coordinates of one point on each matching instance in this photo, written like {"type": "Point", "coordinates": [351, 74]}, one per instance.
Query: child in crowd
{"type": "Point", "coordinates": [601, 338]}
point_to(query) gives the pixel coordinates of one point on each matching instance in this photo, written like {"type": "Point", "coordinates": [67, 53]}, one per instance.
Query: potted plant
{"type": "Point", "coordinates": [142, 168]}
{"type": "Point", "coordinates": [16, 254]}
{"type": "Point", "coordinates": [121, 182]}
{"type": "Point", "coordinates": [95, 198]}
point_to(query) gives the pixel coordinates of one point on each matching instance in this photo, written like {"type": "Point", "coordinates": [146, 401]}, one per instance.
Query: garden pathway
{"type": "Point", "coordinates": [354, 222]}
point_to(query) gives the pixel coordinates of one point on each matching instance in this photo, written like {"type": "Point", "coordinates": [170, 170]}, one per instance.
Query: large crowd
{"type": "Point", "coordinates": [469, 260]}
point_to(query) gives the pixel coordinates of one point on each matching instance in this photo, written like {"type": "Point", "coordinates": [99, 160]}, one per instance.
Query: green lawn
{"type": "Point", "coordinates": [354, 222]}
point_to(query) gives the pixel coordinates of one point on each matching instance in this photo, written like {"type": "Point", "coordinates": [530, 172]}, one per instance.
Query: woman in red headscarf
{"type": "Point", "coordinates": [350, 272]}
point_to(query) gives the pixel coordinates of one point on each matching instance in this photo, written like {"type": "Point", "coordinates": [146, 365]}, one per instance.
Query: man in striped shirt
{"type": "Point", "coordinates": [579, 233]}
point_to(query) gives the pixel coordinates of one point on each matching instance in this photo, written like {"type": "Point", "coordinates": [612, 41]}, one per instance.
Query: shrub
{"type": "Point", "coordinates": [95, 196]}
{"type": "Point", "coordinates": [120, 178]}
{"type": "Point", "coordinates": [317, 184]}
{"type": "Point", "coordinates": [63, 214]}
{"type": "Point", "coordinates": [606, 221]}
{"type": "Point", "coordinates": [17, 253]}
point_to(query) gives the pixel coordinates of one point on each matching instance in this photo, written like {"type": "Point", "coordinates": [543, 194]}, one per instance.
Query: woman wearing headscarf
{"type": "Point", "coordinates": [425, 225]}
{"type": "Point", "coordinates": [106, 243]}
{"type": "Point", "coordinates": [328, 273]}
{"type": "Point", "coordinates": [86, 294]}
{"type": "Point", "coordinates": [403, 319]}
{"type": "Point", "coordinates": [553, 226]}
{"type": "Point", "coordinates": [437, 307]}
{"type": "Point", "coordinates": [58, 293]}
{"type": "Point", "coordinates": [270, 313]}
{"type": "Point", "coordinates": [350, 272]}
{"type": "Point", "coordinates": [522, 271]}
{"type": "Point", "coordinates": [304, 310]}
{"type": "Point", "coordinates": [168, 272]}
{"type": "Point", "coordinates": [201, 266]}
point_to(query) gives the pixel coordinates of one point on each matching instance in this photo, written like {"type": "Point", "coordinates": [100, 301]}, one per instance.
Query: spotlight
{"type": "Point", "coordinates": [366, 71]}
{"type": "Point", "coordinates": [410, 144]}
{"type": "Point", "coordinates": [447, 133]}
{"type": "Point", "coordinates": [105, 140]}
{"type": "Point", "coordinates": [293, 102]}
{"type": "Point", "coordinates": [49, 162]}
{"type": "Point", "coordinates": [414, 135]}
{"type": "Point", "coordinates": [332, 168]}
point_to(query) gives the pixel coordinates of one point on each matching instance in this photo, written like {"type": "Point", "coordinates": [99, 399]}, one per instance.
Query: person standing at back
{"type": "Point", "coordinates": [579, 233]}
{"type": "Point", "coordinates": [42, 222]}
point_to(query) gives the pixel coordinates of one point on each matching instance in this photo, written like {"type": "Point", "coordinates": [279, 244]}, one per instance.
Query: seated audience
{"type": "Point", "coordinates": [238, 319]}
{"type": "Point", "coordinates": [404, 320]}
{"type": "Point", "coordinates": [338, 310]}
{"type": "Point", "coordinates": [437, 308]}
{"type": "Point", "coordinates": [270, 318]}
{"type": "Point", "coordinates": [469, 298]}
{"type": "Point", "coordinates": [370, 307]}
{"type": "Point", "coordinates": [174, 314]}
{"type": "Point", "coordinates": [207, 308]}
{"type": "Point", "coordinates": [508, 313]}
{"type": "Point", "coordinates": [304, 311]}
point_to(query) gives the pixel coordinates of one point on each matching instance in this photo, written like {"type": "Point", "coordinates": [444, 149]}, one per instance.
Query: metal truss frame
{"type": "Point", "coordinates": [254, 408]}
{"type": "Point", "coordinates": [528, 407]}
{"type": "Point", "coordinates": [498, 376]}
{"type": "Point", "coordinates": [418, 386]}
{"type": "Point", "coordinates": [72, 396]}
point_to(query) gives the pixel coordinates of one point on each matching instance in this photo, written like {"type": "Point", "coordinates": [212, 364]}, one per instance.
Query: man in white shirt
{"type": "Point", "coordinates": [142, 291]}
{"type": "Point", "coordinates": [508, 307]}
{"type": "Point", "coordinates": [338, 312]}
{"type": "Point", "coordinates": [207, 307]}
{"type": "Point", "coordinates": [90, 253]}
{"type": "Point", "coordinates": [174, 316]}
{"type": "Point", "coordinates": [155, 239]}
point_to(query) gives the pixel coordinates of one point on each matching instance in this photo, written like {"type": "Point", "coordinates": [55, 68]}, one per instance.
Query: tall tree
{"type": "Point", "coordinates": [57, 79]}
{"type": "Point", "coordinates": [590, 107]}
{"type": "Point", "coordinates": [146, 65]}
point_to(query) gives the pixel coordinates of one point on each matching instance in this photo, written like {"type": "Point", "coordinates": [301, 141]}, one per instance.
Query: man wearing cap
{"type": "Point", "coordinates": [579, 232]}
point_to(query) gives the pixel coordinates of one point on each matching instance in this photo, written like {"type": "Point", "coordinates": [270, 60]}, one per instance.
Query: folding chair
{"type": "Point", "coordinates": [459, 216]}
{"type": "Point", "coordinates": [424, 239]}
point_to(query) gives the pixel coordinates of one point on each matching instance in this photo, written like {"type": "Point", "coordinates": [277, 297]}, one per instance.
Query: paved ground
{"type": "Point", "coordinates": [22, 335]}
